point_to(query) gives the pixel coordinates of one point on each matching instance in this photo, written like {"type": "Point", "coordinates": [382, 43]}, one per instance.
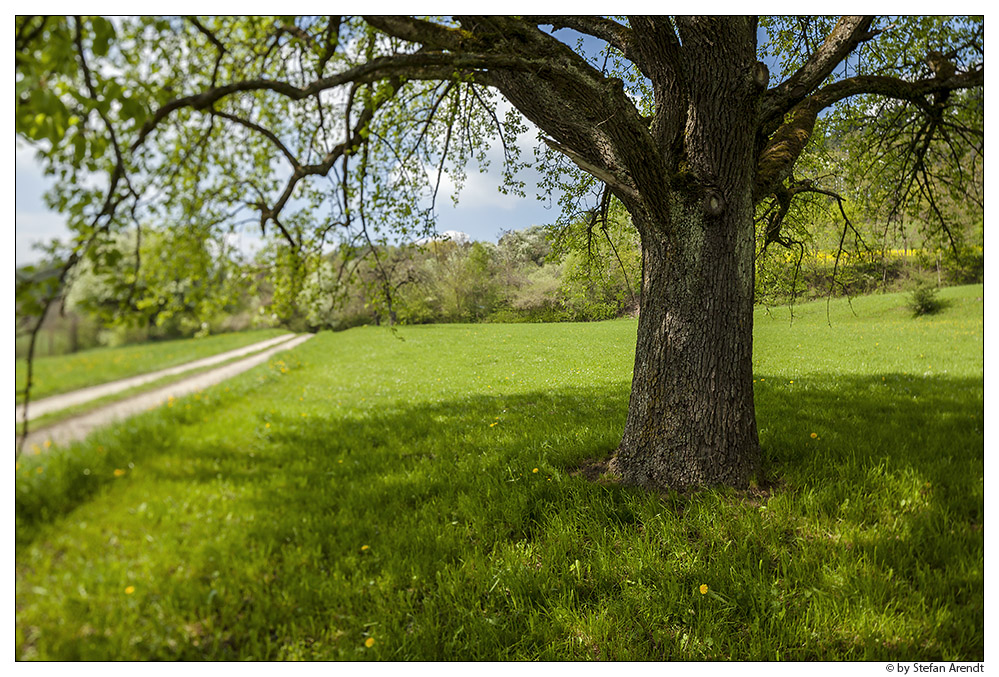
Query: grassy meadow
{"type": "Point", "coordinates": [418, 495]}
{"type": "Point", "coordinates": [63, 373]}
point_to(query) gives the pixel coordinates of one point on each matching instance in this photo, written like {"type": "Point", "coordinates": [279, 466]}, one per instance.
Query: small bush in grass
{"type": "Point", "coordinates": [923, 300]}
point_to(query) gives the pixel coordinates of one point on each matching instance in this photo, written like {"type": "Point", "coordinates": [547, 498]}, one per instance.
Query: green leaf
{"type": "Point", "coordinates": [103, 34]}
{"type": "Point", "coordinates": [79, 148]}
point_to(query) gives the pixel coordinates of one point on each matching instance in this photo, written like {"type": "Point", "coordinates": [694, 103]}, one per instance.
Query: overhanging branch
{"type": "Point", "coordinates": [844, 38]}
{"type": "Point", "coordinates": [785, 146]}
{"type": "Point", "coordinates": [418, 66]}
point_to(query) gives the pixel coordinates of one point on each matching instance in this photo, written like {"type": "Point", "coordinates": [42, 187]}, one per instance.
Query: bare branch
{"type": "Point", "coordinates": [622, 185]}
{"type": "Point", "coordinates": [271, 136]}
{"type": "Point", "coordinates": [332, 40]}
{"type": "Point", "coordinates": [915, 91]}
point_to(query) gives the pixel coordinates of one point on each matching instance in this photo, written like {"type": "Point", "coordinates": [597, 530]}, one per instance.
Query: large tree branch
{"type": "Point", "coordinates": [617, 36]}
{"type": "Point", "coordinates": [418, 66]}
{"type": "Point", "coordinates": [619, 182]}
{"type": "Point", "coordinates": [425, 33]}
{"type": "Point", "coordinates": [583, 111]}
{"type": "Point", "coordinates": [895, 88]}
{"type": "Point", "coordinates": [785, 146]}
{"type": "Point", "coordinates": [661, 59]}
{"type": "Point", "coordinates": [585, 115]}
{"type": "Point", "coordinates": [848, 33]}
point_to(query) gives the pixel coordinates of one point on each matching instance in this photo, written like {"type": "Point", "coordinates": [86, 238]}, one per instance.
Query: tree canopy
{"type": "Point", "coordinates": [337, 130]}
{"type": "Point", "coordinates": [347, 119]}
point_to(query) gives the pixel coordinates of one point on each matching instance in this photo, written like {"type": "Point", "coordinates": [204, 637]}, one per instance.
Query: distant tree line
{"type": "Point", "coordinates": [190, 284]}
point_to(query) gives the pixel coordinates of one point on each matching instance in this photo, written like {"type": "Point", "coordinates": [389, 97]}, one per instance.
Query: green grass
{"type": "Point", "coordinates": [65, 373]}
{"type": "Point", "coordinates": [422, 493]}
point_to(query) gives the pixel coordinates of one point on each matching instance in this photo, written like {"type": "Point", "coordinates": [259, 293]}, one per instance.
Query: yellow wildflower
{"type": "Point", "coordinates": [814, 435]}
{"type": "Point", "coordinates": [129, 590]}
{"type": "Point", "coordinates": [267, 425]}
{"type": "Point", "coordinates": [535, 470]}
{"type": "Point", "coordinates": [118, 472]}
{"type": "Point", "coordinates": [493, 423]}
{"type": "Point", "coordinates": [39, 470]}
{"type": "Point", "coordinates": [704, 588]}
{"type": "Point", "coordinates": [365, 547]}
{"type": "Point", "coordinates": [369, 642]}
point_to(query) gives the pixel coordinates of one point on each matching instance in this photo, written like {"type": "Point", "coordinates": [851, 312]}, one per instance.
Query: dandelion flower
{"type": "Point", "coordinates": [493, 423]}
{"type": "Point", "coordinates": [535, 470]}
{"type": "Point", "coordinates": [369, 642]}
{"type": "Point", "coordinates": [129, 590]}
{"type": "Point", "coordinates": [365, 547]}
{"type": "Point", "coordinates": [118, 472]}
{"type": "Point", "coordinates": [39, 470]}
{"type": "Point", "coordinates": [704, 588]}
{"type": "Point", "coordinates": [267, 425]}
{"type": "Point", "coordinates": [814, 435]}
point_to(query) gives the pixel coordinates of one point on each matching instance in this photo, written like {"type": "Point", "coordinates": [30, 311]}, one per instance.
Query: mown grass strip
{"type": "Point", "coordinates": [40, 423]}
{"type": "Point", "coordinates": [65, 373]}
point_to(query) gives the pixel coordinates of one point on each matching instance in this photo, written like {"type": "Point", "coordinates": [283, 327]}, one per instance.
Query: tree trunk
{"type": "Point", "coordinates": [691, 419]}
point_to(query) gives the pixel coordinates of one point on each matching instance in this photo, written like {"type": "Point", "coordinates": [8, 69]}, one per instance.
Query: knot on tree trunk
{"type": "Point", "coordinates": [714, 202]}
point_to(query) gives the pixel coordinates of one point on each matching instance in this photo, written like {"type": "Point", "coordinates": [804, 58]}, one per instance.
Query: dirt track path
{"type": "Point", "coordinates": [71, 399]}
{"type": "Point", "coordinates": [78, 427]}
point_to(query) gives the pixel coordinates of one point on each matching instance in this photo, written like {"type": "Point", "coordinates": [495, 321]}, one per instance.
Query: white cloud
{"type": "Point", "coordinates": [33, 227]}
{"type": "Point", "coordinates": [480, 190]}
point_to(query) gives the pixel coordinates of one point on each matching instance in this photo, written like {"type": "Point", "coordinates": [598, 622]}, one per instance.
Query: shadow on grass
{"type": "Point", "coordinates": [457, 530]}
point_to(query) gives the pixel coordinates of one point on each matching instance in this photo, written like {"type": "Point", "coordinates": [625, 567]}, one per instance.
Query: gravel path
{"type": "Point", "coordinates": [65, 400]}
{"type": "Point", "coordinates": [78, 427]}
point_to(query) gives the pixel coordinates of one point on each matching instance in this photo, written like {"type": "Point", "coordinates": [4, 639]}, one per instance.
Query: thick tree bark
{"type": "Point", "coordinates": [691, 419]}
